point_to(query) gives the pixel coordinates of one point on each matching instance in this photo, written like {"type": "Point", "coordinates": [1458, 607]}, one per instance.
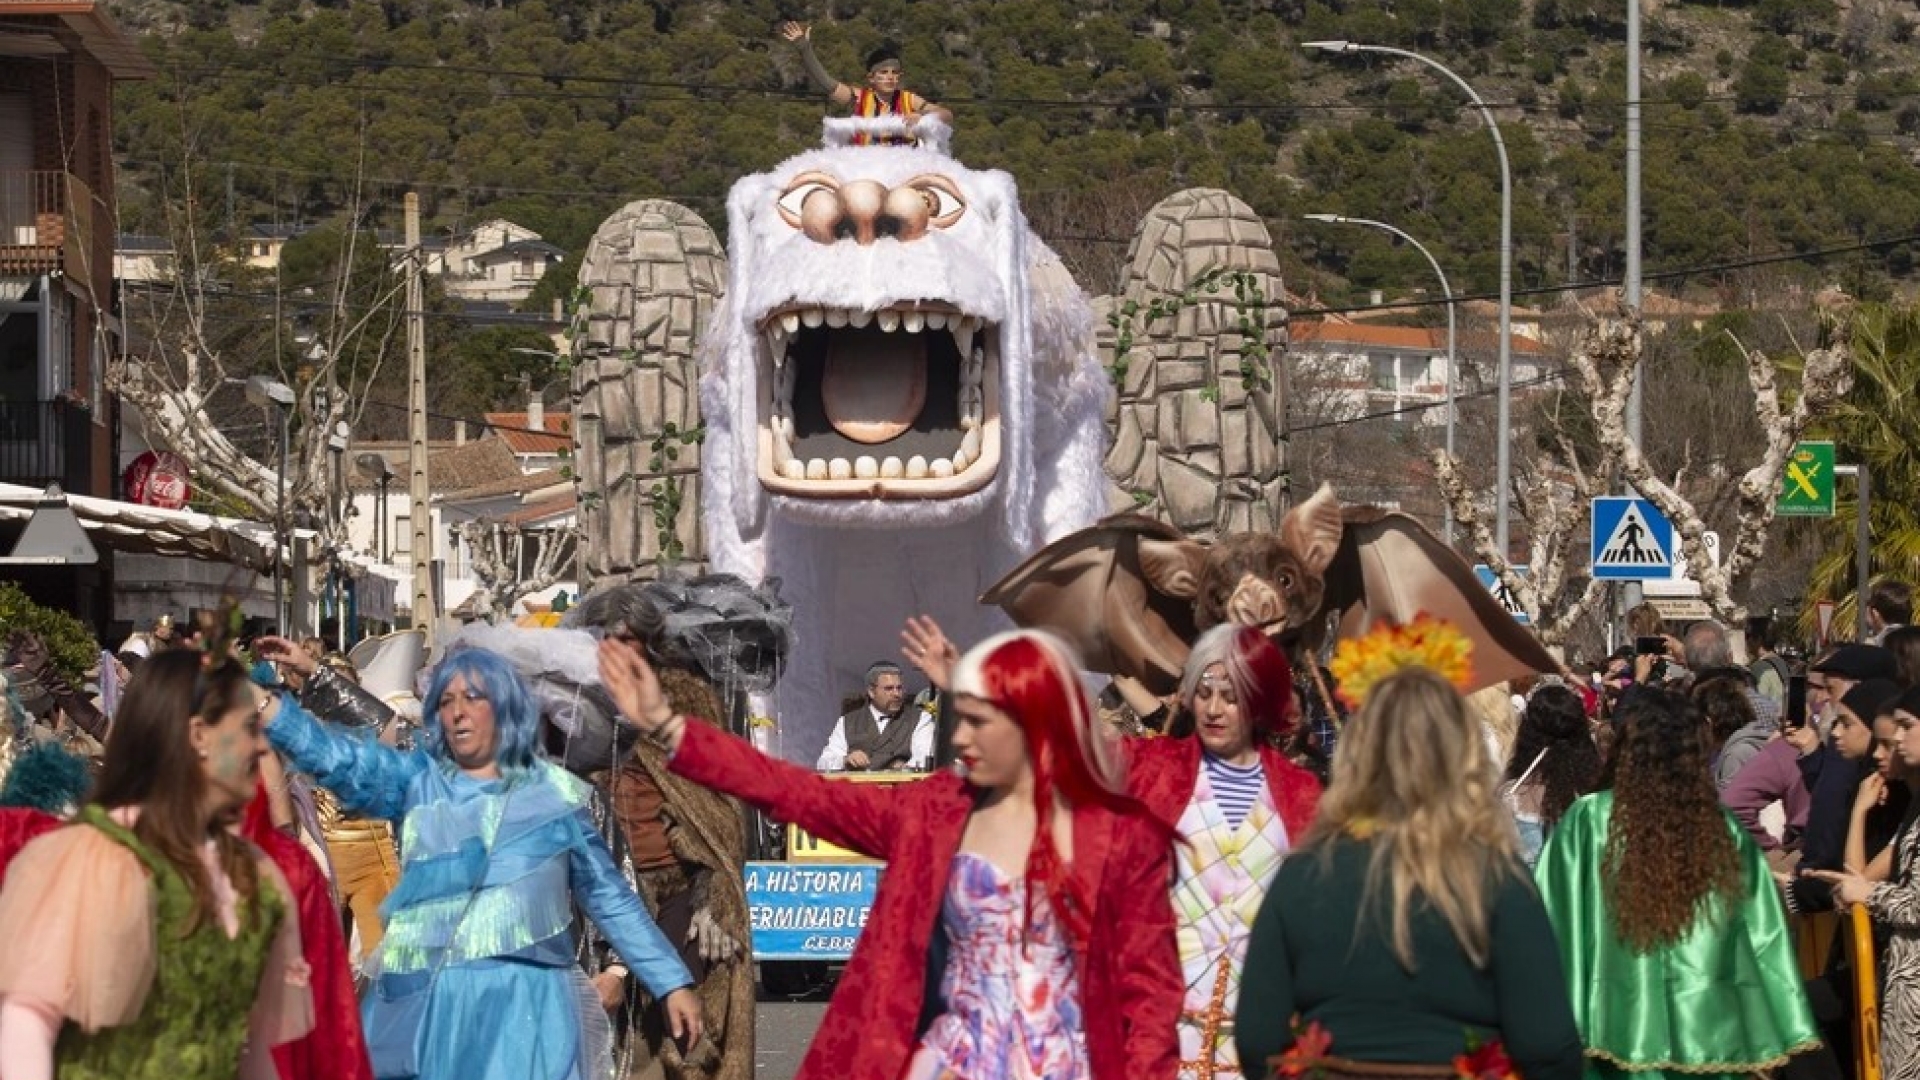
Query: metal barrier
{"type": "Point", "coordinates": [1866, 993]}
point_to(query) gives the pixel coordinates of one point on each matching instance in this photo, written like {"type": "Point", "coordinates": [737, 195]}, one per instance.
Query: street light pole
{"type": "Point", "coordinates": [1504, 452]}
{"type": "Point", "coordinates": [1447, 291]}
{"type": "Point", "coordinates": [266, 392]}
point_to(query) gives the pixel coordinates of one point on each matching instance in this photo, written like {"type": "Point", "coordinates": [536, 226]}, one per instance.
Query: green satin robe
{"type": "Point", "coordinates": [1724, 1000]}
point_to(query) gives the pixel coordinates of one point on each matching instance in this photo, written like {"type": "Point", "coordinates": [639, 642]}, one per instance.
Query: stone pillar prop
{"type": "Point", "coordinates": [654, 273]}
{"type": "Point", "coordinates": [1197, 443]}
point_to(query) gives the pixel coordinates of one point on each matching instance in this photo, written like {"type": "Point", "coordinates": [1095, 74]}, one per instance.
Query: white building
{"type": "Point", "coordinates": [495, 261]}
{"type": "Point", "coordinates": [1365, 369]}
{"type": "Point", "coordinates": [481, 480]}
{"type": "Point", "coordinates": [147, 259]}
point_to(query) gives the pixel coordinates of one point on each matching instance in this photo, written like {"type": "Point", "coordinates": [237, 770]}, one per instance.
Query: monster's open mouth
{"type": "Point", "coordinates": [897, 403]}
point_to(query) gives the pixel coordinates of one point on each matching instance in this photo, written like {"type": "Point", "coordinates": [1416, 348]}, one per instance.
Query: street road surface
{"type": "Point", "coordinates": [783, 1027]}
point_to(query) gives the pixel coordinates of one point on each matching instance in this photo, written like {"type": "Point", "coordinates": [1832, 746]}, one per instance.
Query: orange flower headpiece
{"type": "Point", "coordinates": [1360, 663]}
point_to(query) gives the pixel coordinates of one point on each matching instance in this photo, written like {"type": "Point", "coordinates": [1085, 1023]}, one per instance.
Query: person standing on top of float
{"type": "Point", "coordinates": [884, 94]}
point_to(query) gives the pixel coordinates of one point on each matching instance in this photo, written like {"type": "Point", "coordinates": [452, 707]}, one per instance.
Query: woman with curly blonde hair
{"type": "Point", "coordinates": [1404, 933]}
{"type": "Point", "coordinates": [1673, 938]}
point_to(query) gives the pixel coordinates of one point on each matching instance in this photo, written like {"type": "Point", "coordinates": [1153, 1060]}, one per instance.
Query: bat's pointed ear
{"type": "Point", "coordinates": [1312, 530]}
{"type": "Point", "coordinates": [1172, 567]}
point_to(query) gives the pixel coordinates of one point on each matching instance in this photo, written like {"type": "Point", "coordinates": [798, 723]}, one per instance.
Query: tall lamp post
{"type": "Point", "coordinates": [336, 475]}
{"type": "Point", "coordinates": [1447, 291]}
{"type": "Point", "coordinates": [1504, 453]}
{"type": "Point", "coordinates": [266, 392]}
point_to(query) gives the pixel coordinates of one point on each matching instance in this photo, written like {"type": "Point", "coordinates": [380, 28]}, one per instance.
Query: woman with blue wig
{"type": "Point", "coordinates": [476, 975]}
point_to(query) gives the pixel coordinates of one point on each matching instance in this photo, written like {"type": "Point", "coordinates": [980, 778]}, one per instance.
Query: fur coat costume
{"type": "Point", "coordinates": [706, 833]}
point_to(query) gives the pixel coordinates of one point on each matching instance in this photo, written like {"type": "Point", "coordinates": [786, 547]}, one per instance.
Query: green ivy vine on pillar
{"type": "Point", "coordinates": [1133, 318]}
{"type": "Point", "coordinates": [669, 493]}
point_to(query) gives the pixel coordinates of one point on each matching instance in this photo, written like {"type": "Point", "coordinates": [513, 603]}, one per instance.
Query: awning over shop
{"type": "Point", "coordinates": [126, 526]}
{"type": "Point", "coordinates": [378, 587]}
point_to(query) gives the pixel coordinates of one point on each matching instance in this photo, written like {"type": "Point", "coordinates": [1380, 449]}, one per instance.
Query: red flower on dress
{"type": "Point", "coordinates": [1484, 1061]}
{"type": "Point", "coordinates": [1308, 1052]}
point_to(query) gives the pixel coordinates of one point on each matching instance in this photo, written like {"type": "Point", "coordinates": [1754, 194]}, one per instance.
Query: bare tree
{"type": "Point", "coordinates": [192, 339]}
{"type": "Point", "coordinates": [511, 561]}
{"type": "Point", "coordinates": [1569, 471]}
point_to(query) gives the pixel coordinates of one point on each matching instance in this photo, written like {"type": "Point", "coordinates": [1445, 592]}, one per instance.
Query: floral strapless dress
{"type": "Point", "coordinates": [1013, 1007]}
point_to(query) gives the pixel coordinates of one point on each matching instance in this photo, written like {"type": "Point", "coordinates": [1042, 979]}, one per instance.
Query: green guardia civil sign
{"type": "Point", "coordinates": [1806, 487]}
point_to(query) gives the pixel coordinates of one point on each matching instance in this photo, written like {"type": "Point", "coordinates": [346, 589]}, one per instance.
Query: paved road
{"type": "Point", "coordinates": [782, 1030]}
{"type": "Point", "coordinates": [784, 1024]}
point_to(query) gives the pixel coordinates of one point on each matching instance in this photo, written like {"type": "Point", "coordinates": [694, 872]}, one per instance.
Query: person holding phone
{"type": "Point", "coordinates": [1832, 770]}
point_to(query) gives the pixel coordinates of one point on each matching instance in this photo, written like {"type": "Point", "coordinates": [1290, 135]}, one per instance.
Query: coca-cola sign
{"type": "Point", "coordinates": [158, 478]}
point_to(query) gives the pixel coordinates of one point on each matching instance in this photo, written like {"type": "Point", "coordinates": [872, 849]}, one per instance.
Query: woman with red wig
{"type": "Point", "coordinates": [1238, 806]}
{"type": "Point", "coordinates": [1022, 928]}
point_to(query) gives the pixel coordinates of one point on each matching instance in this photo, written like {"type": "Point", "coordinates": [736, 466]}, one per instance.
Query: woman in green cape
{"type": "Point", "coordinates": [1675, 944]}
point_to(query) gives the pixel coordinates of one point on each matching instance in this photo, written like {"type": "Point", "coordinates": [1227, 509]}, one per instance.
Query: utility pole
{"type": "Point", "coordinates": [423, 614]}
{"type": "Point", "coordinates": [1636, 396]}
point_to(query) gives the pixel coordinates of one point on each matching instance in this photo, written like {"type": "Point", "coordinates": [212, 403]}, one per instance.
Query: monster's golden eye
{"type": "Point", "coordinates": [944, 202]}
{"type": "Point", "coordinates": [792, 202]}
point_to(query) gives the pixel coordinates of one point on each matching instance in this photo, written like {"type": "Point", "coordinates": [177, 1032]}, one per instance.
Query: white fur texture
{"type": "Point", "coordinates": [855, 569]}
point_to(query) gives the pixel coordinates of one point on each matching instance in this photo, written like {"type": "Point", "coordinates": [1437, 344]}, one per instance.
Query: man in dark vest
{"type": "Point", "coordinates": [883, 733]}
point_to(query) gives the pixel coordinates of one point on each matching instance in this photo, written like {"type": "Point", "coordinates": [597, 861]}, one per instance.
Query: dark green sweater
{"type": "Point", "coordinates": [1305, 958]}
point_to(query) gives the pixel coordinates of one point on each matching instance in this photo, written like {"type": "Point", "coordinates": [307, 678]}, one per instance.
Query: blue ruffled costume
{"type": "Point", "coordinates": [509, 1002]}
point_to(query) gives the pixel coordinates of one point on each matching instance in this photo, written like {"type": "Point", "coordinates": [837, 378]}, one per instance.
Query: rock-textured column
{"type": "Point", "coordinates": [1196, 442]}
{"type": "Point", "coordinates": [654, 273]}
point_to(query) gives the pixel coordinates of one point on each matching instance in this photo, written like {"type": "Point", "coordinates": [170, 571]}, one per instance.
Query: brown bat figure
{"type": "Point", "coordinates": [1132, 594]}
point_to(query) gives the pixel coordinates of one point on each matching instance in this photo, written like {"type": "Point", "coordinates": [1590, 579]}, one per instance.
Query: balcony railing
{"type": "Point", "coordinates": [46, 223]}
{"type": "Point", "coordinates": [44, 442]}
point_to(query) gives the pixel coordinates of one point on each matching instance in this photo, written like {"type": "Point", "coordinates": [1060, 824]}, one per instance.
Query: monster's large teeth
{"type": "Point", "coordinates": [941, 468]}
{"type": "Point", "coordinates": [793, 469]}
{"type": "Point", "coordinates": [839, 469]}
{"type": "Point", "coordinates": [963, 336]}
{"type": "Point", "coordinates": [836, 317]}
{"type": "Point", "coordinates": [970, 445]}
{"type": "Point", "coordinates": [889, 321]}
{"type": "Point", "coordinates": [892, 469]}
{"type": "Point", "coordinates": [916, 467]}
{"type": "Point", "coordinates": [936, 320]}
{"type": "Point", "coordinates": [859, 318]}
{"type": "Point", "coordinates": [790, 322]}
{"type": "Point", "coordinates": [913, 322]}
{"type": "Point", "coordinates": [816, 469]}
{"type": "Point", "coordinates": [865, 467]}
{"type": "Point", "coordinates": [813, 317]}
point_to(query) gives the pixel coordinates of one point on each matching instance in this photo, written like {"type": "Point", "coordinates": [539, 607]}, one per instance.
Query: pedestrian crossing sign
{"type": "Point", "coordinates": [1632, 540]}
{"type": "Point", "coordinates": [1501, 593]}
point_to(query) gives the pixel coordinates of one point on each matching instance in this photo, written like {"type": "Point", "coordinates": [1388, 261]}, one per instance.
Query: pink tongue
{"type": "Point", "coordinates": [874, 385]}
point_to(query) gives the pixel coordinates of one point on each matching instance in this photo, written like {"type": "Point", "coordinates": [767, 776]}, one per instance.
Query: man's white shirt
{"type": "Point", "coordinates": [834, 757]}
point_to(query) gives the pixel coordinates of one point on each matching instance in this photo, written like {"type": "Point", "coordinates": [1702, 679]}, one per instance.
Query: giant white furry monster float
{"type": "Point", "coordinates": [903, 399]}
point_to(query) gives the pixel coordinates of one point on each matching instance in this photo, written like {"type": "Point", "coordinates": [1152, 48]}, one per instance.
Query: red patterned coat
{"type": "Point", "coordinates": [336, 1048]}
{"type": "Point", "coordinates": [1130, 971]}
{"type": "Point", "coordinates": [1162, 773]}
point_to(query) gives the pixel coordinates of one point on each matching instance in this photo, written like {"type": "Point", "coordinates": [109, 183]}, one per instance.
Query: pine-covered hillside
{"type": "Point", "coordinates": [1779, 127]}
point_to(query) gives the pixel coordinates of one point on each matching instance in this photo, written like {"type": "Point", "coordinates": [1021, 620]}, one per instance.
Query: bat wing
{"type": "Point", "coordinates": [1390, 567]}
{"type": "Point", "coordinates": [1103, 589]}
